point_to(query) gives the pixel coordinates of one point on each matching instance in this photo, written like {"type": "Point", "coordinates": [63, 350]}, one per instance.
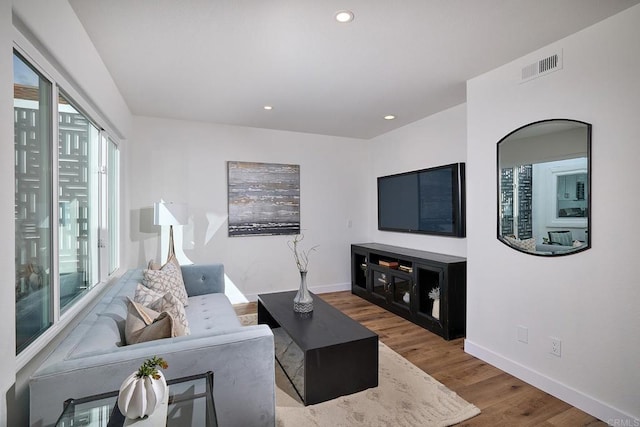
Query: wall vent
{"type": "Point", "coordinates": [542, 67]}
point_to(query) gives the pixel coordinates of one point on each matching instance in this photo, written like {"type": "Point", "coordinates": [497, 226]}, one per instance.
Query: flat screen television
{"type": "Point", "coordinates": [427, 201]}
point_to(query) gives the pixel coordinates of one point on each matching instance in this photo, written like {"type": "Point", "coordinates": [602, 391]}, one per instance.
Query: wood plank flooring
{"type": "Point", "coordinates": [503, 399]}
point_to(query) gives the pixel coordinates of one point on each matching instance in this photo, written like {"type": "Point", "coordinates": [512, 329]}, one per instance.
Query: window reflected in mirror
{"type": "Point", "coordinates": [544, 188]}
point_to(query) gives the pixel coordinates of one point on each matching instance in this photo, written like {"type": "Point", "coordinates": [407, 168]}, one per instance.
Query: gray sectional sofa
{"type": "Point", "coordinates": [92, 359]}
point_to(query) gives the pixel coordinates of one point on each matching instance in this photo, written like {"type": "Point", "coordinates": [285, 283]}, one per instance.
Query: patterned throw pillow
{"type": "Point", "coordinates": [167, 279]}
{"type": "Point", "coordinates": [146, 296]}
{"type": "Point", "coordinates": [172, 305]}
{"type": "Point", "coordinates": [144, 324]}
{"type": "Point", "coordinates": [160, 303]}
{"type": "Point", "coordinates": [153, 265]}
{"type": "Point", "coordinates": [526, 244]}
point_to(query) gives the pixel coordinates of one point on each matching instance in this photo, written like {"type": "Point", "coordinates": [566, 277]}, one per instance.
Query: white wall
{"type": "Point", "coordinates": [437, 140]}
{"type": "Point", "coordinates": [7, 199]}
{"type": "Point", "coordinates": [65, 43]}
{"type": "Point", "coordinates": [183, 161]}
{"type": "Point", "coordinates": [588, 300]}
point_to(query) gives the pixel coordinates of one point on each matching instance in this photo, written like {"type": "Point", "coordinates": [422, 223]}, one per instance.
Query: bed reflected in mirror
{"type": "Point", "coordinates": [544, 188]}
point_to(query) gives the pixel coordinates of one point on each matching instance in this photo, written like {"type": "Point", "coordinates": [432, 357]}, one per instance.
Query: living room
{"type": "Point", "coordinates": [184, 160]}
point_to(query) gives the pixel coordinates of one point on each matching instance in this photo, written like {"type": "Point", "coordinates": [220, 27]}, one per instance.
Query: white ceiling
{"type": "Point", "coordinates": [222, 60]}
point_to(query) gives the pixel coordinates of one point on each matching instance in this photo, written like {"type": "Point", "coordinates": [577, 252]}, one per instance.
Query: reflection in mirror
{"type": "Point", "coordinates": [544, 187]}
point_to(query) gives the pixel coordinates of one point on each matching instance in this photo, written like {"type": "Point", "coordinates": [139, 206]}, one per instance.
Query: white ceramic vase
{"type": "Point", "coordinates": [139, 397]}
{"type": "Point", "coordinates": [435, 311]}
{"type": "Point", "coordinates": [406, 298]}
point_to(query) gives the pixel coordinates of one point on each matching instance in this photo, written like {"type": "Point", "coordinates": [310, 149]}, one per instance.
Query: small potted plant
{"type": "Point", "coordinates": [143, 391]}
{"type": "Point", "coordinates": [434, 294]}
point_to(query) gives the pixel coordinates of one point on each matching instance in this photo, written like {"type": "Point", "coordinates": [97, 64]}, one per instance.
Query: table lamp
{"type": "Point", "coordinates": [168, 213]}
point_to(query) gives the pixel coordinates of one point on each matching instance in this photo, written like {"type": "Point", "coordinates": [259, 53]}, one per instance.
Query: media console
{"type": "Point", "coordinates": [400, 279]}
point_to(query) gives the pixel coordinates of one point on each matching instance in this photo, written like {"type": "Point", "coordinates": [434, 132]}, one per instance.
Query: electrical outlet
{"type": "Point", "coordinates": [523, 334]}
{"type": "Point", "coordinates": [556, 347]}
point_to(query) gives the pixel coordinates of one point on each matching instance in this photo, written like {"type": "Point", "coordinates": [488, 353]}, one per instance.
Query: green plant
{"type": "Point", "coordinates": [150, 368]}
{"type": "Point", "coordinates": [301, 257]}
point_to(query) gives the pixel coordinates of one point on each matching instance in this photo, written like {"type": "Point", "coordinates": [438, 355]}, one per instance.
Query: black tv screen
{"type": "Point", "coordinates": [428, 201]}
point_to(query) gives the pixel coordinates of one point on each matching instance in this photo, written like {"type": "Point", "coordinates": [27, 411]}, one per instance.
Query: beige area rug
{"type": "Point", "coordinates": [405, 396]}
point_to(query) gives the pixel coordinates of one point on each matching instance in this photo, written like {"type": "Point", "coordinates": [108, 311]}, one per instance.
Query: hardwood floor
{"type": "Point", "coordinates": [503, 399]}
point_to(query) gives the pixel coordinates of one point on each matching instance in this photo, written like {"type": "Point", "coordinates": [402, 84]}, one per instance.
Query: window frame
{"type": "Point", "coordinates": [62, 85]}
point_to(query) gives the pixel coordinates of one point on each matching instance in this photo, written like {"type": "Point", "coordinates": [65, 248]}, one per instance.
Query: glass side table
{"type": "Point", "coordinates": [190, 404]}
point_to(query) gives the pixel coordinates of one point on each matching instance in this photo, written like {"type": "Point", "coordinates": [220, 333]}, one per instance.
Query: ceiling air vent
{"type": "Point", "coordinates": [541, 67]}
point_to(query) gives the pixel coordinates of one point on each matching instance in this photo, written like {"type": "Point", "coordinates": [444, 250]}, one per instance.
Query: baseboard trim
{"type": "Point", "coordinates": [338, 287]}
{"type": "Point", "coordinates": [586, 403]}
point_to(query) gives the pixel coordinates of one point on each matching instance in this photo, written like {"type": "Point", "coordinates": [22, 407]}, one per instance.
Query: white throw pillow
{"type": "Point", "coordinates": [167, 279]}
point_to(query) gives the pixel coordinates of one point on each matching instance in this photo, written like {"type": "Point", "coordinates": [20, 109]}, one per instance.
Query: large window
{"type": "Point", "coordinates": [66, 198]}
{"type": "Point", "coordinates": [78, 145]}
{"type": "Point", "coordinates": [32, 107]}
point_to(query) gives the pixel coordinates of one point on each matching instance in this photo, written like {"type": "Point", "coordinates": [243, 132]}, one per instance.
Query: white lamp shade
{"type": "Point", "coordinates": [165, 213]}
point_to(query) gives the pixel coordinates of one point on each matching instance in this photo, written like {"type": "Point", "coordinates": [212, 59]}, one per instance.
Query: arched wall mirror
{"type": "Point", "coordinates": [544, 188]}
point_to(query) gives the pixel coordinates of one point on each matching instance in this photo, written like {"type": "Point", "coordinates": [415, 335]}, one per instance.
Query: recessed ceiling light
{"type": "Point", "coordinates": [344, 16]}
{"type": "Point", "coordinates": [268, 107]}
{"type": "Point", "coordinates": [389, 117]}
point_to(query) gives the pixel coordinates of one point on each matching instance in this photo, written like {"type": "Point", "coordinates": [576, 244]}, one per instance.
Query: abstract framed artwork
{"type": "Point", "coordinates": [263, 199]}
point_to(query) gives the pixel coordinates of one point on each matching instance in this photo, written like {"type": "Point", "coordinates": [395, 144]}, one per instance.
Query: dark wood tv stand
{"type": "Point", "coordinates": [399, 279]}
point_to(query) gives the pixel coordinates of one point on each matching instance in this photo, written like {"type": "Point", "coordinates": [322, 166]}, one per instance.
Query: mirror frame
{"type": "Point", "coordinates": [589, 180]}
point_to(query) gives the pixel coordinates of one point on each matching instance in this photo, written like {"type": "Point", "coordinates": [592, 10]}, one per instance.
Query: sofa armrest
{"type": "Point", "coordinates": [242, 361]}
{"type": "Point", "coordinates": [203, 279]}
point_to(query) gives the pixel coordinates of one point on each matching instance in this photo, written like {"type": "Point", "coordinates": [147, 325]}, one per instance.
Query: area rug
{"type": "Point", "coordinates": [405, 396]}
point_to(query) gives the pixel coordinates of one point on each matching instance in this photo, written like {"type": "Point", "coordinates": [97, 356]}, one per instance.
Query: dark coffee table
{"type": "Point", "coordinates": [325, 354]}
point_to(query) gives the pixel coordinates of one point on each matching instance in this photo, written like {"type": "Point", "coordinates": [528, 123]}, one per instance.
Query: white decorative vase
{"type": "Point", "coordinates": [139, 397]}
{"type": "Point", "coordinates": [406, 297]}
{"type": "Point", "coordinates": [303, 301]}
{"type": "Point", "coordinates": [435, 311]}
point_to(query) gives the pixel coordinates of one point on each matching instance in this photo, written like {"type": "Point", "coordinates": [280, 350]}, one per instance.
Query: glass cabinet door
{"type": "Point", "coordinates": [401, 287]}
{"type": "Point", "coordinates": [380, 283]}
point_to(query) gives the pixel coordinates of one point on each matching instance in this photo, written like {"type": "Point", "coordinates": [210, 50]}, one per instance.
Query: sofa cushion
{"type": "Point", "coordinates": [104, 325]}
{"type": "Point", "coordinates": [211, 312]}
{"type": "Point", "coordinates": [144, 324]}
{"type": "Point", "coordinates": [167, 279]}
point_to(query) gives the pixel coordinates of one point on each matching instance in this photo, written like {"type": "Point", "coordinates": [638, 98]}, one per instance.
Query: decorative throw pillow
{"type": "Point", "coordinates": [526, 244]}
{"type": "Point", "coordinates": [171, 304]}
{"type": "Point", "coordinates": [167, 279]}
{"type": "Point", "coordinates": [144, 324]}
{"type": "Point", "coordinates": [167, 302]}
{"type": "Point", "coordinates": [153, 265]}
{"type": "Point", "coordinates": [146, 296]}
